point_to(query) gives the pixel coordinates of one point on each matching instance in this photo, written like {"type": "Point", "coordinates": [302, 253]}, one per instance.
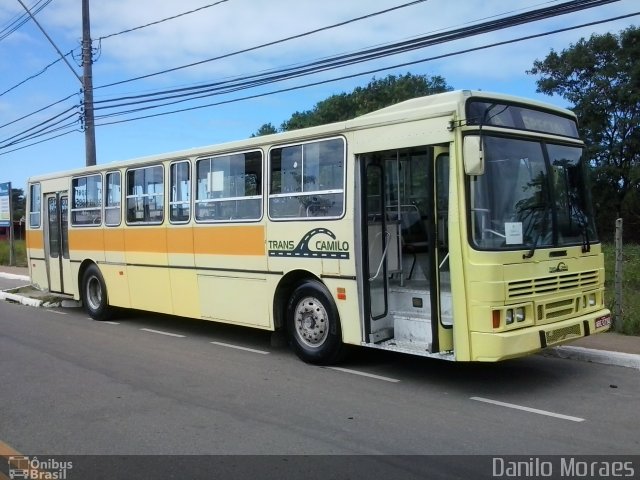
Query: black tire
{"type": "Point", "coordinates": [313, 324]}
{"type": "Point", "coordinates": [94, 294]}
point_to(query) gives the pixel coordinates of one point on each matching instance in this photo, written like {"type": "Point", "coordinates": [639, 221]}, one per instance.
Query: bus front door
{"type": "Point", "coordinates": [405, 249]}
{"type": "Point", "coordinates": [57, 242]}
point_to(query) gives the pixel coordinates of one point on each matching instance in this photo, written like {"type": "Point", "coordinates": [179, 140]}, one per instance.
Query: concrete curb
{"type": "Point", "coordinates": [619, 359]}
{"type": "Point", "coordinates": [14, 276]}
{"type": "Point", "coordinates": [30, 302]}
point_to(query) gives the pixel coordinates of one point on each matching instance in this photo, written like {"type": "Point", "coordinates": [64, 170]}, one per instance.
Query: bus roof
{"type": "Point", "coordinates": [421, 107]}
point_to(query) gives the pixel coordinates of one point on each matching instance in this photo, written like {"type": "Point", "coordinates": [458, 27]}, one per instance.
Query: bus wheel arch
{"type": "Point", "coordinates": [93, 291]}
{"type": "Point", "coordinates": [306, 309]}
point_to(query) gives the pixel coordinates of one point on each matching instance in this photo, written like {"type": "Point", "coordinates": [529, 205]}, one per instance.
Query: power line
{"type": "Point", "coordinates": [163, 20]}
{"type": "Point", "coordinates": [49, 128]}
{"type": "Point", "coordinates": [35, 75]}
{"type": "Point", "coordinates": [22, 19]}
{"type": "Point", "coordinates": [99, 39]}
{"type": "Point", "coordinates": [234, 53]}
{"type": "Point", "coordinates": [369, 72]}
{"type": "Point", "coordinates": [275, 42]}
{"type": "Point", "coordinates": [63, 57]}
{"type": "Point", "coordinates": [39, 142]}
{"type": "Point", "coordinates": [46, 124]}
{"type": "Point", "coordinates": [37, 111]}
{"type": "Point", "coordinates": [217, 88]}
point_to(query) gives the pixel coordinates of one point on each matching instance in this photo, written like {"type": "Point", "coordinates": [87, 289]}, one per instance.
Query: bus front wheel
{"type": "Point", "coordinates": [313, 324]}
{"type": "Point", "coordinates": [94, 294]}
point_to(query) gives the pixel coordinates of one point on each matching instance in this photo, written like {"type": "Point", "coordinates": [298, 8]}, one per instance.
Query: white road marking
{"type": "Point", "coordinates": [53, 311]}
{"type": "Point", "coordinates": [365, 374]}
{"type": "Point", "coordinates": [112, 323]}
{"type": "Point", "coordinates": [262, 352]}
{"type": "Point", "coordinates": [162, 333]}
{"type": "Point", "coordinates": [528, 409]}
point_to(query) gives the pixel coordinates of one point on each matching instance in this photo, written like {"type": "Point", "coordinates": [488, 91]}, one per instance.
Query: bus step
{"type": "Point", "coordinates": [411, 329]}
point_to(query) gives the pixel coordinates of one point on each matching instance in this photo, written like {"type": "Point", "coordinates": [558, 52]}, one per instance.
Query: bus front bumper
{"type": "Point", "coordinates": [492, 347]}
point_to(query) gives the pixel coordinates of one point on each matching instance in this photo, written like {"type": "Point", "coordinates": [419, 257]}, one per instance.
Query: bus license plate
{"type": "Point", "coordinates": [603, 321]}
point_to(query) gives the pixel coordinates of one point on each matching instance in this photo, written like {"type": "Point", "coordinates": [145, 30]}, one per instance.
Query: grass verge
{"type": "Point", "coordinates": [630, 284]}
{"type": "Point", "coordinates": [21, 254]}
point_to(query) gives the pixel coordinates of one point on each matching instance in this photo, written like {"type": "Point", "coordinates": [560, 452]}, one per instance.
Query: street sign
{"type": "Point", "coordinates": [5, 204]}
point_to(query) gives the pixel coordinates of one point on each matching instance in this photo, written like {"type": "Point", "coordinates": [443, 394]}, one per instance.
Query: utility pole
{"type": "Point", "coordinates": [86, 80]}
{"type": "Point", "coordinates": [87, 84]}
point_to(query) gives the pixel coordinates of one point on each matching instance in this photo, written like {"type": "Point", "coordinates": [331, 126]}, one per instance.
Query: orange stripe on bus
{"type": "Point", "coordinates": [86, 239]}
{"type": "Point", "coordinates": [212, 240]}
{"type": "Point", "coordinates": [34, 239]}
{"type": "Point", "coordinates": [230, 240]}
{"type": "Point", "coordinates": [114, 239]}
{"type": "Point", "coordinates": [145, 239]}
{"type": "Point", "coordinates": [180, 240]}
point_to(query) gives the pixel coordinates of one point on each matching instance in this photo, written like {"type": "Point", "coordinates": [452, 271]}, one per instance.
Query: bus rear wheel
{"type": "Point", "coordinates": [94, 294]}
{"type": "Point", "coordinates": [313, 324]}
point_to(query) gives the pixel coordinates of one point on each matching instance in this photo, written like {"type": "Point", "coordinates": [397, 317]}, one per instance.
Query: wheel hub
{"type": "Point", "coordinates": [312, 322]}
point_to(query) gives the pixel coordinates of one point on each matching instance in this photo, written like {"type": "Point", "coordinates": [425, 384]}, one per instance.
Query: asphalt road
{"type": "Point", "coordinates": [155, 385]}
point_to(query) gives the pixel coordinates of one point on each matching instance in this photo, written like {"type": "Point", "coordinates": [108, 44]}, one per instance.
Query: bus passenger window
{"type": "Point", "coordinates": [86, 203]}
{"type": "Point", "coordinates": [34, 206]}
{"type": "Point", "coordinates": [113, 200]}
{"type": "Point", "coordinates": [229, 187]}
{"type": "Point", "coordinates": [180, 196]}
{"type": "Point", "coordinates": [145, 195]}
{"type": "Point", "coordinates": [307, 180]}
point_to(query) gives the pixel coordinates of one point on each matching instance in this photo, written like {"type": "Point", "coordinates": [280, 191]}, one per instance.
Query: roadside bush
{"type": "Point", "coordinates": [630, 284]}
{"type": "Point", "coordinates": [21, 254]}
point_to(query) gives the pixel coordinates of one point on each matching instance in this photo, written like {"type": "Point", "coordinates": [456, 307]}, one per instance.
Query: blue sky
{"type": "Point", "coordinates": [234, 25]}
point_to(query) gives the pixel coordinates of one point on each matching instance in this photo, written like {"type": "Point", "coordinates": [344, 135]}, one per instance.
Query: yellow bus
{"type": "Point", "coordinates": [457, 226]}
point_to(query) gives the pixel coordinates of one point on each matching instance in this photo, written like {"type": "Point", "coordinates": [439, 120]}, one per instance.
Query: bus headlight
{"type": "Point", "coordinates": [509, 316]}
{"type": "Point", "coordinates": [520, 314]}
{"type": "Point", "coordinates": [589, 300]}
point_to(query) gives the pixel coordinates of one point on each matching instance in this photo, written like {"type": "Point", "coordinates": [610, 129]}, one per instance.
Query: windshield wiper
{"type": "Point", "coordinates": [586, 244]}
{"type": "Point", "coordinates": [541, 231]}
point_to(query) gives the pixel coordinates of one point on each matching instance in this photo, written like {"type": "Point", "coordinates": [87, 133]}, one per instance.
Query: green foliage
{"type": "Point", "coordinates": [601, 78]}
{"type": "Point", "coordinates": [265, 129]}
{"type": "Point", "coordinates": [20, 251]}
{"type": "Point", "coordinates": [376, 95]}
{"type": "Point", "coordinates": [630, 284]}
{"type": "Point", "coordinates": [19, 203]}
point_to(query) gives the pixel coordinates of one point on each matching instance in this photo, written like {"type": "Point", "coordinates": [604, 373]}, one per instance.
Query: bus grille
{"type": "Point", "coordinates": [560, 334]}
{"type": "Point", "coordinates": [553, 283]}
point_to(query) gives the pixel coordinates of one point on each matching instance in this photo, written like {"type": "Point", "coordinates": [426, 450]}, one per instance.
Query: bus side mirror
{"type": "Point", "coordinates": [473, 153]}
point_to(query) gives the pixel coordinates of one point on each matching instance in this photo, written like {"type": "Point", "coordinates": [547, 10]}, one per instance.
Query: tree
{"type": "Point", "coordinates": [377, 94]}
{"type": "Point", "coordinates": [601, 78]}
{"type": "Point", "coordinates": [265, 129]}
{"type": "Point", "coordinates": [18, 203]}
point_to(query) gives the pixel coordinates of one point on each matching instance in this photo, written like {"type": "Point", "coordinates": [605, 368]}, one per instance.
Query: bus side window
{"type": "Point", "coordinates": [113, 200]}
{"type": "Point", "coordinates": [180, 192]}
{"type": "Point", "coordinates": [86, 200]}
{"type": "Point", "coordinates": [307, 180]}
{"type": "Point", "coordinates": [145, 195]}
{"type": "Point", "coordinates": [34, 206]}
{"type": "Point", "coordinates": [229, 187]}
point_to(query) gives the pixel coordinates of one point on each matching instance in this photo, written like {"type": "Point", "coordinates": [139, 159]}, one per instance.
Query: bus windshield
{"type": "Point", "coordinates": [533, 194]}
